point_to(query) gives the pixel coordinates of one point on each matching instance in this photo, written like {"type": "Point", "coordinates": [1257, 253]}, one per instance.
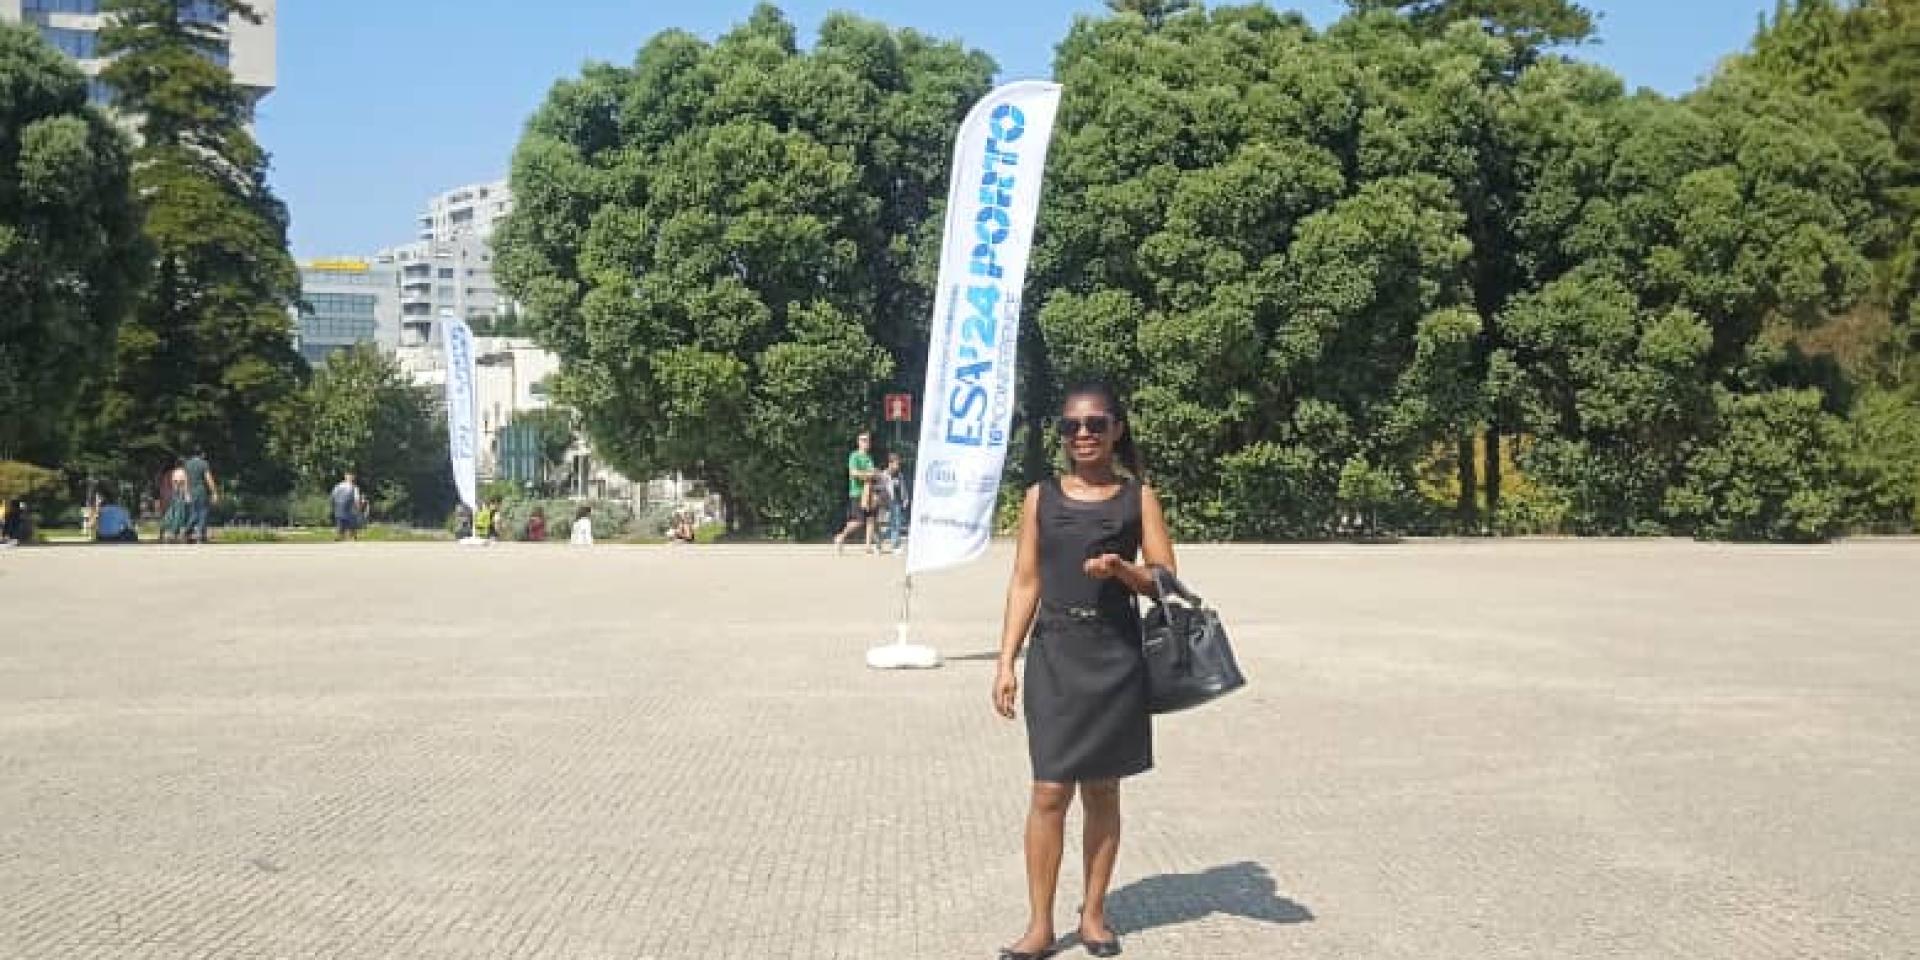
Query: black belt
{"type": "Point", "coordinates": [1073, 612]}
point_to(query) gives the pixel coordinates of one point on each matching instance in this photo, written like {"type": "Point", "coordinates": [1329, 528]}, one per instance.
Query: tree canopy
{"type": "Point", "coordinates": [1413, 267]}
{"type": "Point", "coordinates": [206, 359]}
{"type": "Point", "coordinates": [361, 414]}
{"type": "Point", "coordinates": [71, 260]}
{"type": "Point", "coordinates": [730, 245]}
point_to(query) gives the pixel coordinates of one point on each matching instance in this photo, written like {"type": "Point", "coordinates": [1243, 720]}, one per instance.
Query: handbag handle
{"type": "Point", "coordinates": [1165, 583]}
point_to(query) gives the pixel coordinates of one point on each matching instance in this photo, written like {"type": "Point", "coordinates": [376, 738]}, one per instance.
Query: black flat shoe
{"type": "Point", "coordinates": [1008, 953]}
{"type": "Point", "coordinates": [1098, 948]}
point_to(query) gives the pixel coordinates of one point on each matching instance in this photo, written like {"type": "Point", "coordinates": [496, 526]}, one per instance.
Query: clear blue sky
{"type": "Point", "coordinates": [382, 105]}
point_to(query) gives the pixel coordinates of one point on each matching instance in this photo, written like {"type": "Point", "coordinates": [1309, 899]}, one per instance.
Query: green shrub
{"type": "Point", "coordinates": [612, 519]}
{"type": "Point", "coordinates": [398, 533]}
{"type": "Point", "coordinates": [26, 481]}
{"type": "Point", "coordinates": [248, 535]}
{"type": "Point", "coordinates": [250, 509]}
{"type": "Point", "coordinates": [310, 510]}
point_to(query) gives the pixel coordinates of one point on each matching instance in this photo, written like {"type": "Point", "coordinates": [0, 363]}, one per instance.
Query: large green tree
{"type": "Point", "coordinates": [1314, 258]}
{"type": "Point", "coordinates": [1862, 56]}
{"type": "Point", "coordinates": [361, 413]}
{"type": "Point", "coordinates": [70, 253]}
{"type": "Point", "coordinates": [1528, 24]}
{"type": "Point", "coordinates": [207, 358]}
{"type": "Point", "coordinates": [1247, 229]}
{"type": "Point", "coordinates": [731, 245]}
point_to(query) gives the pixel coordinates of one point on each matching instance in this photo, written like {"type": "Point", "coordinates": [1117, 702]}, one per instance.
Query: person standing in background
{"type": "Point", "coordinates": [346, 502]}
{"type": "Point", "coordinates": [176, 511]}
{"type": "Point", "coordinates": [203, 491]}
{"type": "Point", "coordinates": [893, 487]}
{"type": "Point", "coordinates": [582, 535]}
{"type": "Point", "coordinates": [860, 475]}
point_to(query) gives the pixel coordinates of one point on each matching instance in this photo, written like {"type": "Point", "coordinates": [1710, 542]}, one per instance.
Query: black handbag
{"type": "Point", "coordinates": [1189, 661]}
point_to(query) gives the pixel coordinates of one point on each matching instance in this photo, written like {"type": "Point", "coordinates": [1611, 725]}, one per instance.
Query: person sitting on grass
{"type": "Point", "coordinates": [14, 527]}
{"type": "Point", "coordinates": [682, 530]}
{"type": "Point", "coordinates": [112, 524]}
{"type": "Point", "coordinates": [483, 521]}
{"type": "Point", "coordinates": [536, 531]}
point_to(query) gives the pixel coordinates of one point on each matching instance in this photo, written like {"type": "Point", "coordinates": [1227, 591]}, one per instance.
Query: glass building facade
{"type": "Point", "coordinates": [344, 304]}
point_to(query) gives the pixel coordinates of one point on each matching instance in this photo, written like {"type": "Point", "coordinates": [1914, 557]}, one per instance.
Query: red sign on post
{"type": "Point", "coordinates": [899, 407]}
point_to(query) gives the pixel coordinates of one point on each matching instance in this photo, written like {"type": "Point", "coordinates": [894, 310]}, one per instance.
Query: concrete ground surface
{"type": "Point", "coordinates": [1537, 749]}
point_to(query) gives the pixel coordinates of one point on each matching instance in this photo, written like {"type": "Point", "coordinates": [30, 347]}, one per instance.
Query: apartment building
{"type": "Point", "coordinates": [250, 50]}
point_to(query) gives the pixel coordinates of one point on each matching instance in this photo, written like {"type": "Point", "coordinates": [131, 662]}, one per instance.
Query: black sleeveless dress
{"type": "Point", "coordinates": [1086, 684]}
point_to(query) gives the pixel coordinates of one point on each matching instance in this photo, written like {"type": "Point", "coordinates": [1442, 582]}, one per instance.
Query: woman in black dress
{"type": "Point", "coordinates": [1082, 539]}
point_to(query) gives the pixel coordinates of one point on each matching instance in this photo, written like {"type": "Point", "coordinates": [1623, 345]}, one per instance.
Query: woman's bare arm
{"type": "Point", "coordinates": [1156, 550]}
{"type": "Point", "coordinates": [1023, 598]}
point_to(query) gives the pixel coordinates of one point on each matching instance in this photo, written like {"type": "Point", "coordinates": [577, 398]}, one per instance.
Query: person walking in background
{"type": "Point", "coordinates": [536, 526]}
{"type": "Point", "coordinates": [1075, 577]}
{"type": "Point", "coordinates": [893, 488]}
{"type": "Point", "coordinates": [582, 535]}
{"type": "Point", "coordinates": [462, 522]}
{"type": "Point", "coordinates": [483, 521]}
{"type": "Point", "coordinates": [203, 491]}
{"type": "Point", "coordinates": [347, 503]}
{"type": "Point", "coordinates": [860, 476]}
{"type": "Point", "coordinates": [176, 510]}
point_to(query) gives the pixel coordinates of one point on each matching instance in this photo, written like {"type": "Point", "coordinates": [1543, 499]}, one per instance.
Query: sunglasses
{"type": "Point", "coordinates": [1098, 425]}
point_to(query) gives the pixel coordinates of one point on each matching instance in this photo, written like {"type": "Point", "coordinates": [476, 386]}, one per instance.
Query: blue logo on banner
{"type": "Point", "coordinates": [942, 480]}
{"type": "Point", "coordinates": [970, 402]}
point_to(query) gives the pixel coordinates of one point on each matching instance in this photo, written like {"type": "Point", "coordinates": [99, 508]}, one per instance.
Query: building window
{"type": "Point", "coordinates": [100, 93]}
{"type": "Point", "coordinates": [446, 273]}
{"type": "Point", "coordinates": [78, 44]}
{"type": "Point", "coordinates": [61, 6]}
{"type": "Point", "coordinates": [202, 11]}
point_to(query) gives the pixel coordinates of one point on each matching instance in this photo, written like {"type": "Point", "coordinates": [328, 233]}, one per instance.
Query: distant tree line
{"type": "Point", "coordinates": [1421, 270]}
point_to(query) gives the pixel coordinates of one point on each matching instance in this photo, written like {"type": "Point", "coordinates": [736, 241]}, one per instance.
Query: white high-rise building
{"type": "Point", "coordinates": [250, 50]}
{"type": "Point", "coordinates": [444, 280]}
{"type": "Point", "coordinates": [448, 272]}
{"type": "Point", "coordinates": [470, 211]}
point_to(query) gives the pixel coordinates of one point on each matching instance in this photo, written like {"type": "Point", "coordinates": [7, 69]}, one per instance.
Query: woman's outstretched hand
{"type": "Point", "coordinates": [1005, 686]}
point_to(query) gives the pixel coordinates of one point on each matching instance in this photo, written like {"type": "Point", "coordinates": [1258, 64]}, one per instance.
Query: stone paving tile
{"type": "Point", "coordinates": [1477, 750]}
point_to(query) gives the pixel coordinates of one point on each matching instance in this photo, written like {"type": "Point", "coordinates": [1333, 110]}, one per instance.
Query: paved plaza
{"type": "Point", "coordinates": [1449, 750]}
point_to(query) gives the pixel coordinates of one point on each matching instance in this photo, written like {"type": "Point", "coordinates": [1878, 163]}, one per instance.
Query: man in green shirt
{"type": "Point", "coordinates": [860, 474]}
{"type": "Point", "coordinates": [202, 492]}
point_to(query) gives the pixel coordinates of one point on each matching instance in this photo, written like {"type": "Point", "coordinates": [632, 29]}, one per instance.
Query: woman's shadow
{"type": "Point", "coordinates": [1242, 889]}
